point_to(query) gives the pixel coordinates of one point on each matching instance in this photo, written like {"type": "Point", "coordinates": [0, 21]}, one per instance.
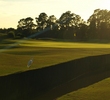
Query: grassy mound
{"type": "Point", "coordinates": [56, 66]}
{"type": "Point", "coordinates": [96, 91]}
{"type": "Point", "coordinates": [33, 84]}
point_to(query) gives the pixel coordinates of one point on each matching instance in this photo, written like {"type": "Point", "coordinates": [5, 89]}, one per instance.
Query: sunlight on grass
{"type": "Point", "coordinates": [97, 91]}
{"type": "Point", "coordinates": [64, 44]}
{"type": "Point", "coordinates": [45, 53]}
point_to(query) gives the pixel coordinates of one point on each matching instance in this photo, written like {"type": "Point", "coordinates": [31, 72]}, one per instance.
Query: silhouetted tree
{"type": "Point", "coordinates": [26, 26]}
{"type": "Point", "coordinates": [11, 34]}
{"type": "Point", "coordinates": [41, 21]}
{"type": "Point", "coordinates": [99, 24]}
{"type": "Point", "coordinates": [51, 21]}
{"type": "Point", "coordinates": [69, 23]}
{"type": "Point", "coordinates": [82, 31]}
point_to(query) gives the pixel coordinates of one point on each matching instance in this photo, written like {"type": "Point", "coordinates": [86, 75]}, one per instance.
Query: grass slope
{"type": "Point", "coordinates": [56, 62]}
{"type": "Point", "coordinates": [96, 91]}
{"type": "Point", "coordinates": [35, 84]}
{"type": "Point", "coordinates": [45, 53]}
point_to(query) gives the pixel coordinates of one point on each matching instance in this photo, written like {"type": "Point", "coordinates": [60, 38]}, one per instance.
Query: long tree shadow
{"type": "Point", "coordinates": [56, 80]}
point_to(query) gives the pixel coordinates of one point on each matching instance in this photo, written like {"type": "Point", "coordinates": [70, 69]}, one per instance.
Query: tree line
{"type": "Point", "coordinates": [68, 26]}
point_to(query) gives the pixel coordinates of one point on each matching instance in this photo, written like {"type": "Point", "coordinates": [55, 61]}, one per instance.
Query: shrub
{"type": "Point", "coordinates": [11, 34]}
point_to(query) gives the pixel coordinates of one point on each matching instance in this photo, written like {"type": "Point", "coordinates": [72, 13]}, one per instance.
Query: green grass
{"type": "Point", "coordinates": [45, 53]}
{"type": "Point", "coordinates": [55, 44]}
{"type": "Point", "coordinates": [97, 91]}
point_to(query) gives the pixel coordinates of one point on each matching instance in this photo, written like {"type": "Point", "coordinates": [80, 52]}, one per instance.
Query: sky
{"type": "Point", "coordinates": [11, 11]}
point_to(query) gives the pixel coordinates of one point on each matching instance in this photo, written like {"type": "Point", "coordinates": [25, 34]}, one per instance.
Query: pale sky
{"type": "Point", "coordinates": [11, 11]}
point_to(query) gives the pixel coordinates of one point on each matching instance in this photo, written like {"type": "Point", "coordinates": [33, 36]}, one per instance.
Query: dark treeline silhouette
{"type": "Point", "coordinates": [68, 26]}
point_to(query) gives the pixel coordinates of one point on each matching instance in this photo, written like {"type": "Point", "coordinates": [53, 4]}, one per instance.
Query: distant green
{"type": "Point", "coordinates": [44, 53]}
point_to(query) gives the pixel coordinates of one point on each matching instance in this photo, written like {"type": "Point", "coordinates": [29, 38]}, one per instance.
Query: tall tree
{"type": "Point", "coordinates": [52, 21]}
{"type": "Point", "coordinates": [26, 26]}
{"type": "Point", "coordinates": [70, 23]}
{"type": "Point", "coordinates": [100, 23]}
{"type": "Point", "coordinates": [82, 31]}
{"type": "Point", "coordinates": [41, 21]}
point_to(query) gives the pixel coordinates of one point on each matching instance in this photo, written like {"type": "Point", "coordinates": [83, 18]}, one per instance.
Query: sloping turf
{"type": "Point", "coordinates": [53, 66]}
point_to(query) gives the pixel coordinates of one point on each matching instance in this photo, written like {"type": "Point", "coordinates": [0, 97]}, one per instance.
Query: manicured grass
{"type": "Point", "coordinates": [97, 91]}
{"type": "Point", "coordinates": [45, 53]}
{"type": "Point", "coordinates": [55, 44]}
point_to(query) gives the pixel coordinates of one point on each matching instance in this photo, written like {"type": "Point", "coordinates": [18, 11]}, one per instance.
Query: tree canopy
{"type": "Point", "coordinates": [68, 26]}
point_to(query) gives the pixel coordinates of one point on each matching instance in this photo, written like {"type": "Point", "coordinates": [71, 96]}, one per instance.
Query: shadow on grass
{"type": "Point", "coordinates": [53, 81]}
